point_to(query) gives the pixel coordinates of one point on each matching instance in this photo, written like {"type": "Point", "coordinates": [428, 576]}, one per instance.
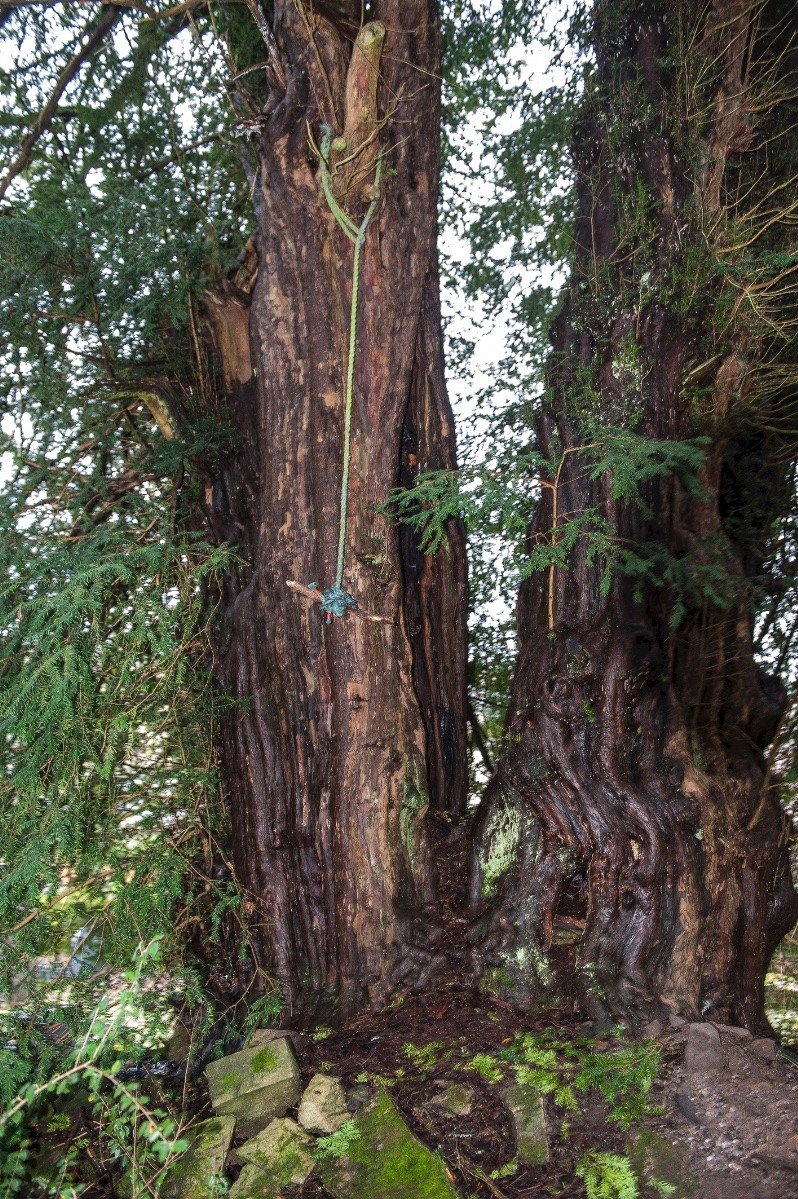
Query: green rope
{"type": "Point", "coordinates": [335, 601]}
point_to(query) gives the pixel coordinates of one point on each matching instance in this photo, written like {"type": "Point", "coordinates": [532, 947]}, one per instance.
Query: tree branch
{"type": "Point", "coordinates": [479, 738]}
{"type": "Point", "coordinates": [95, 37]}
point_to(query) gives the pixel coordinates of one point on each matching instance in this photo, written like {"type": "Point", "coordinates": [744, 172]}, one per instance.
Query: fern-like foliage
{"type": "Point", "coordinates": [502, 502]}
{"type": "Point", "coordinates": [111, 809]}
{"type": "Point", "coordinates": [623, 1075]}
{"type": "Point", "coordinates": [607, 1176]}
{"type": "Point", "coordinates": [338, 1143]}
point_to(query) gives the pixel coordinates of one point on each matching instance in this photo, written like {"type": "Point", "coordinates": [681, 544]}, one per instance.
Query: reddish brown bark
{"type": "Point", "coordinates": [331, 734]}
{"type": "Point", "coordinates": [635, 792]}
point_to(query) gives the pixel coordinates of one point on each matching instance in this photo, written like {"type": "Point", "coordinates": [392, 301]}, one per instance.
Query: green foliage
{"type": "Point", "coordinates": [607, 1176]}
{"type": "Point", "coordinates": [505, 1171]}
{"type": "Point", "coordinates": [132, 204]}
{"type": "Point", "coordinates": [506, 207]}
{"type": "Point", "coordinates": [423, 1057]}
{"type": "Point", "coordinates": [264, 1012]}
{"type": "Point", "coordinates": [338, 1143]}
{"type": "Point", "coordinates": [486, 1067]}
{"type": "Point", "coordinates": [141, 1135]}
{"type": "Point", "coordinates": [623, 1074]}
{"type": "Point", "coordinates": [502, 503]}
{"type": "Point", "coordinates": [624, 1077]}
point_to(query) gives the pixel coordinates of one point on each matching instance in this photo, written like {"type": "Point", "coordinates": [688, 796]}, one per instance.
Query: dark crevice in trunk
{"type": "Point", "coordinates": [436, 587]}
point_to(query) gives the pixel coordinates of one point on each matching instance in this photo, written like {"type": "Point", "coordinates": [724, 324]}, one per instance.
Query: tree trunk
{"type": "Point", "coordinates": [336, 737]}
{"type": "Point", "coordinates": [635, 794]}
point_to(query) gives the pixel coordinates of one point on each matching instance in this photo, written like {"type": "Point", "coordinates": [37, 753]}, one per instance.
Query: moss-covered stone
{"type": "Point", "coordinates": [654, 1159]}
{"type": "Point", "coordinates": [528, 1114]}
{"type": "Point", "coordinates": [279, 1156]}
{"type": "Point", "coordinates": [191, 1176]}
{"type": "Point", "coordinates": [255, 1085]}
{"type": "Point", "coordinates": [455, 1098]}
{"type": "Point", "coordinates": [386, 1160]}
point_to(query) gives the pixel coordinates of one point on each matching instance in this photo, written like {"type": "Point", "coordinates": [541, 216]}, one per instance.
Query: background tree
{"type": "Point", "coordinates": [635, 793]}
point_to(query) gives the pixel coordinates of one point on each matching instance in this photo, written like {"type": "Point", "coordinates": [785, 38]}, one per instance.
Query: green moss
{"type": "Point", "coordinates": [386, 1160]}
{"type": "Point", "coordinates": [278, 1157]}
{"type": "Point", "coordinates": [264, 1059]}
{"type": "Point", "coordinates": [495, 980]}
{"type": "Point", "coordinates": [499, 846]}
{"type": "Point", "coordinates": [229, 1081]}
{"type": "Point", "coordinates": [656, 1162]}
{"type": "Point", "coordinates": [187, 1178]}
{"type": "Point", "coordinates": [414, 804]}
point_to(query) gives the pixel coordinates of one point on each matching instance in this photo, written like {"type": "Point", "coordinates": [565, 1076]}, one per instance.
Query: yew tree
{"type": "Point", "coordinates": [636, 793]}
{"type": "Point", "coordinates": [343, 726]}
{"type": "Point", "coordinates": [226, 349]}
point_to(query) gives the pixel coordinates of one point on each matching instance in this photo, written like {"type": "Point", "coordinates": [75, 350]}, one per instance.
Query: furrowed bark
{"type": "Point", "coordinates": [635, 793]}
{"type": "Point", "coordinates": [329, 744]}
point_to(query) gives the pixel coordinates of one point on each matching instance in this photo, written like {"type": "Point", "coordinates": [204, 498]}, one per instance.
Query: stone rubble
{"type": "Point", "coordinates": [528, 1114]}
{"type": "Point", "coordinates": [255, 1084]}
{"type": "Point", "coordinates": [729, 1129]}
{"type": "Point", "coordinates": [323, 1107]}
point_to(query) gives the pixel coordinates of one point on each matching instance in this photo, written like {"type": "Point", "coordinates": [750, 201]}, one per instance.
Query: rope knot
{"type": "Point", "coordinates": [336, 602]}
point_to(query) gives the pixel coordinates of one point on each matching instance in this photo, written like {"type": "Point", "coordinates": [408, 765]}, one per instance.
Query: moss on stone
{"type": "Point", "coordinates": [495, 981]}
{"type": "Point", "coordinates": [255, 1084]}
{"type": "Point", "coordinates": [654, 1160]}
{"type": "Point", "coordinates": [278, 1157]}
{"type": "Point", "coordinates": [386, 1160]}
{"type": "Point", "coordinates": [455, 1098]}
{"type": "Point", "coordinates": [189, 1177]}
{"type": "Point", "coordinates": [264, 1059]}
{"type": "Point", "coordinates": [528, 1114]}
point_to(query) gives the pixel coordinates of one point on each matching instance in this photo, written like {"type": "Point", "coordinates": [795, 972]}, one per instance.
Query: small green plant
{"type": "Point", "coordinates": [505, 1171]}
{"type": "Point", "coordinates": [423, 1057]}
{"type": "Point", "coordinates": [321, 1033]}
{"type": "Point", "coordinates": [218, 1186]}
{"type": "Point", "coordinates": [486, 1067]}
{"type": "Point", "coordinates": [264, 1012]}
{"type": "Point", "coordinates": [377, 1080]}
{"type": "Point", "coordinates": [623, 1074]}
{"type": "Point", "coordinates": [541, 1070]}
{"type": "Point", "coordinates": [59, 1123]}
{"type": "Point", "coordinates": [338, 1143]}
{"type": "Point", "coordinates": [607, 1176]}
